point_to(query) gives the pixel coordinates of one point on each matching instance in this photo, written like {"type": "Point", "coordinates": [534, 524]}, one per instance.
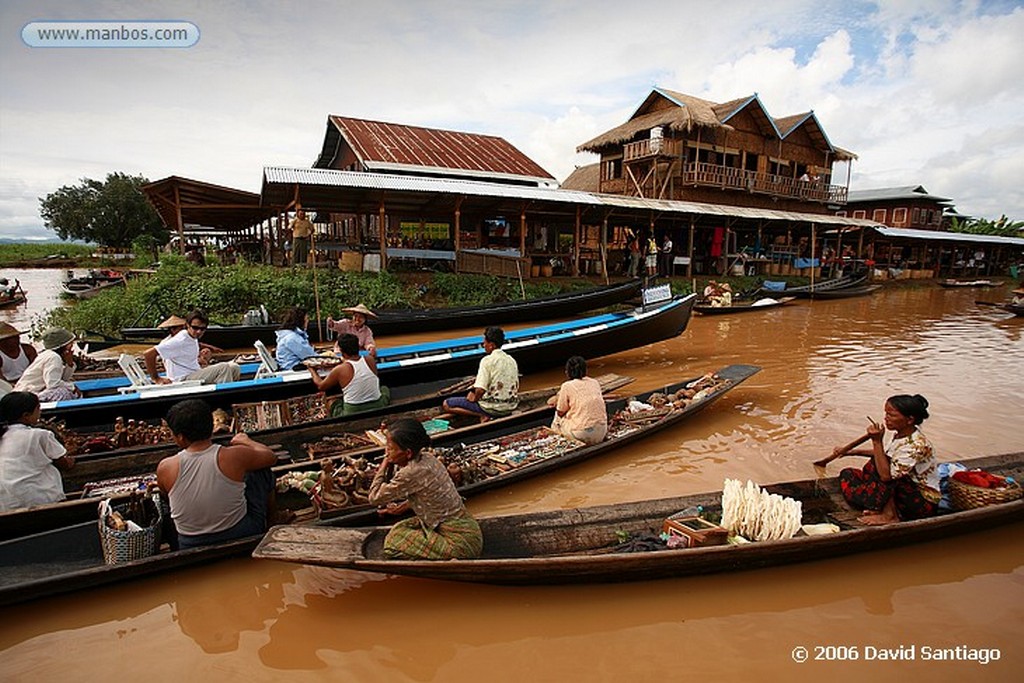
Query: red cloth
{"type": "Point", "coordinates": [716, 242]}
{"type": "Point", "coordinates": [980, 478]}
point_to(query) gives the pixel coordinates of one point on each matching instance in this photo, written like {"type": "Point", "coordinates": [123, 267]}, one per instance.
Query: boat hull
{"type": "Point", "coordinates": [424, 320]}
{"type": "Point", "coordinates": [534, 349]}
{"type": "Point", "coordinates": [567, 546]}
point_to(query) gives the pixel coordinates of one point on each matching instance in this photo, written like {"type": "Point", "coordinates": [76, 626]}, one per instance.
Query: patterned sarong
{"type": "Point", "coordinates": [864, 489]}
{"type": "Point", "coordinates": [456, 538]}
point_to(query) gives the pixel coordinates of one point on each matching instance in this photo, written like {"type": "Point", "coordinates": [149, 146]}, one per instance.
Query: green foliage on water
{"type": "Point", "coordinates": [480, 290]}
{"type": "Point", "coordinates": [32, 251]}
{"type": "Point", "coordinates": [227, 292]}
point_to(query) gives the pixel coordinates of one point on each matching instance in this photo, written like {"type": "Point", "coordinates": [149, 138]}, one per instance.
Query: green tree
{"type": "Point", "coordinates": [982, 226]}
{"type": "Point", "coordinates": [111, 213]}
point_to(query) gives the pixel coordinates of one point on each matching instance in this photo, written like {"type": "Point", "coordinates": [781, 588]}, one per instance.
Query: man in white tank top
{"type": "Point", "coordinates": [357, 379]}
{"type": "Point", "coordinates": [217, 493]}
{"type": "Point", "coordinates": [14, 356]}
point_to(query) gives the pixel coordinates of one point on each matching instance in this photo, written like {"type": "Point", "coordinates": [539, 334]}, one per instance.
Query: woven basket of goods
{"type": "Point", "coordinates": [976, 488]}
{"type": "Point", "coordinates": [132, 531]}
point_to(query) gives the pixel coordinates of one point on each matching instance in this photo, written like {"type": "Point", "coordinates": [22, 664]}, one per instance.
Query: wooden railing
{"type": "Point", "coordinates": [729, 178]}
{"type": "Point", "coordinates": [664, 147]}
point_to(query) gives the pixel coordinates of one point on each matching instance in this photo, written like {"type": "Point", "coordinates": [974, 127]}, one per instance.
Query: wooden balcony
{"type": "Point", "coordinates": [728, 178]}
{"type": "Point", "coordinates": [657, 147]}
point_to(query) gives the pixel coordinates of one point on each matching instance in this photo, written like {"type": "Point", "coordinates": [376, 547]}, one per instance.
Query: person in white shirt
{"type": "Point", "coordinates": [30, 458]}
{"type": "Point", "coordinates": [15, 357]}
{"type": "Point", "coordinates": [49, 375]}
{"type": "Point", "coordinates": [186, 359]}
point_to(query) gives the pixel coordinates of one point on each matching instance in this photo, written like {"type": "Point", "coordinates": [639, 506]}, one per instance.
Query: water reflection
{"type": "Point", "coordinates": [826, 365]}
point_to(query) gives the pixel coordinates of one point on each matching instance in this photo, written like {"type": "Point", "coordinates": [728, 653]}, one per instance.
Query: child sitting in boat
{"type": "Point", "coordinates": [31, 459]}
{"type": "Point", "coordinates": [408, 479]}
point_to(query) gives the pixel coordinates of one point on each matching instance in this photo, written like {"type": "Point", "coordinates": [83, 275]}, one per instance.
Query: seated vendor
{"type": "Point", "coordinates": [495, 391]}
{"type": "Point", "coordinates": [357, 326]}
{"type": "Point", "coordinates": [293, 345]}
{"type": "Point", "coordinates": [580, 411]}
{"type": "Point", "coordinates": [355, 379]}
{"type": "Point", "coordinates": [49, 375]}
{"type": "Point", "coordinates": [217, 493]}
{"type": "Point", "coordinates": [15, 357]}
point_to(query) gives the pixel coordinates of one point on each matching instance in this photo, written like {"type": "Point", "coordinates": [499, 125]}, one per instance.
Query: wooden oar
{"type": "Point", "coordinates": [842, 451]}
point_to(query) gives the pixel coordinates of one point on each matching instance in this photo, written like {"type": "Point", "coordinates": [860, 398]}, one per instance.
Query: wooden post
{"type": "Point", "coordinates": [180, 222]}
{"type": "Point", "coordinates": [689, 249]}
{"type": "Point", "coordinates": [383, 235]}
{"type": "Point", "coordinates": [604, 249]}
{"type": "Point", "coordinates": [814, 233]}
{"type": "Point", "coordinates": [576, 245]}
{"type": "Point", "coordinates": [522, 233]}
{"type": "Point", "coordinates": [458, 230]}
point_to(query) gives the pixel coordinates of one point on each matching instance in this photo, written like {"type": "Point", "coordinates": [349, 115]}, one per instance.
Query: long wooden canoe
{"type": "Point", "coordinates": [584, 545]}
{"type": "Point", "coordinates": [843, 293]}
{"type": "Point", "coordinates": [851, 280]}
{"type": "Point", "coordinates": [289, 443]}
{"type": "Point", "coordinates": [534, 348]}
{"type": "Point", "coordinates": [426, 320]}
{"type": "Point", "coordinates": [953, 284]}
{"type": "Point", "coordinates": [743, 306]}
{"type": "Point", "coordinates": [70, 558]}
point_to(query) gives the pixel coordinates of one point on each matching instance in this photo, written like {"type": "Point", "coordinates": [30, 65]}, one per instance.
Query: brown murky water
{"type": "Point", "coordinates": [826, 366]}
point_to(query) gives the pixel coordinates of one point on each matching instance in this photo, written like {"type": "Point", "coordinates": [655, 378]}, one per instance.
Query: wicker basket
{"type": "Point", "coordinates": [968, 496]}
{"type": "Point", "coordinates": [125, 546]}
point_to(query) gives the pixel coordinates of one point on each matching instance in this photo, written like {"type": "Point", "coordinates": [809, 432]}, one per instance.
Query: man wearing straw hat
{"type": "Point", "coordinates": [49, 375]}
{"type": "Point", "coordinates": [356, 326]}
{"type": "Point", "coordinates": [1018, 297]}
{"type": "Point", "coordinates": [15, 357]}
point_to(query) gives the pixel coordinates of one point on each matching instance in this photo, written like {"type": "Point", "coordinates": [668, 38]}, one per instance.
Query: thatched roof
{"type": "Point", "coordinates": [691, 112]}
{"type": "Point", "coordinates": [584, 179]}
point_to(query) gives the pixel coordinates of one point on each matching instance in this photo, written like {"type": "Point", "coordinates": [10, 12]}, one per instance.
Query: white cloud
{"type": "Point", "coordinates": [924, 92]}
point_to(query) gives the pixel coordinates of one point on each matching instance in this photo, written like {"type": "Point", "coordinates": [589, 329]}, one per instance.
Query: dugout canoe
{"type": "Point", "coordinates": [851, 280]}
{"type": "Point", "coordinates": [288, 442]}
{"type": "Point", "coordinates": [743, 306]}
{"type": "Point", "coordinates": [843, 293]}
{"type": "Point", "coordinates": [584, 545]}
{"type": "Point", "coordinates": [70, 558]}
{"type": "Point", "coordinates": [954, 284]}
{"type": "Point", "coordinates": [534, 348]}
{"type": "Point", "coordinates": [390, 322]}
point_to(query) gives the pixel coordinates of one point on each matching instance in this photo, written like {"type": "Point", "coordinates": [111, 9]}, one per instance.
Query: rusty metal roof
{"type": "Point", "coordinates": [396, 148]}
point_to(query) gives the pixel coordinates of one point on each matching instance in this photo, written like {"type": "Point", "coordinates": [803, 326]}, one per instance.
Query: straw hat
{"type": "Point", "coordinates": [173, 321]}
{"type": "Point", "coordinates": [360, 309]}
{"type": "Point", "coordinates": [7, 330]}
{"type": "Point", "coordinates": [57, 337]}
{"type": "Point", "coordinates": [1019, 290]}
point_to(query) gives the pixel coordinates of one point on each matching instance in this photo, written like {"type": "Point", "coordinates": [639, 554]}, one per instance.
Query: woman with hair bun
{"type": "Point", "coordinates": [901, 480]}
{"type": "Point", "coordinates": [410, 479]}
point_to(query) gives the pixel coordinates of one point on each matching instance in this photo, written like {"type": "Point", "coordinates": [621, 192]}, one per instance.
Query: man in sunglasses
{"type": "Point", "coordinates": [185, 358]}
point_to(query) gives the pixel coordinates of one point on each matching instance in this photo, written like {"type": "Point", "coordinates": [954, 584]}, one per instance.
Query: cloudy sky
{"type": "Point", "coordinates": [925, 92]}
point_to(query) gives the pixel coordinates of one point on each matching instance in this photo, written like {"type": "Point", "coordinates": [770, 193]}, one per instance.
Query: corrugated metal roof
{"type": "Point", "coordinates": [892, 193]}
{"type": "Point", "coordinates": [394, 146]}
{"type": "Point", "coordinates": [320, 177]}
{"type": "Point", "coordinates": [909, 233]}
